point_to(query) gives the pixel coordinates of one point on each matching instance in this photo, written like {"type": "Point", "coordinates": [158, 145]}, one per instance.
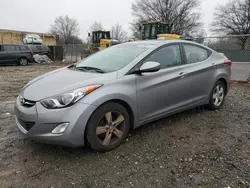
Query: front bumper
{"type": "Point", "coordinates": [37, 123]}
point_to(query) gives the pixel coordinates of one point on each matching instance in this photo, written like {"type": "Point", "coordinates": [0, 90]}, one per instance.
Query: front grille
{"type": "Point", "coordinates": [26, 125]}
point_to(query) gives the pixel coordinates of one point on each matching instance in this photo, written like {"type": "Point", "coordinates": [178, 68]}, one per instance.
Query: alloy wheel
{"type": "Point", "coordinates": [23, 62]}
{"type": "Point", "coordinates": [110, 128]}
{"type": "Point", "coordinates": [218, 95]}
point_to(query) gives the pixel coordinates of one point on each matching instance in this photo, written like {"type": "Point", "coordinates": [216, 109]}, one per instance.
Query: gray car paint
{"type": "Point", "coordinates": [149, 96]}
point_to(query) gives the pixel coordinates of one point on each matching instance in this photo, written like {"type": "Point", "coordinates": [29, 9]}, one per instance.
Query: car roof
{"type": "Point", "coordinates": [160, 42]}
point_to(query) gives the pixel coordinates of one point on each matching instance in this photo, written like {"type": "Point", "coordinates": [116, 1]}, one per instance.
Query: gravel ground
{"type": "Point", "coordinates": [196, 148]}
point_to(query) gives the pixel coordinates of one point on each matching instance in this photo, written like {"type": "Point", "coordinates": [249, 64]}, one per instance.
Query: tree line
{"type": "Point", "coordinates": [183, 16]}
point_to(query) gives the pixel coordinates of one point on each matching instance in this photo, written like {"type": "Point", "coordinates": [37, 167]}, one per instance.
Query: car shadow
{"type": "Point", "coordinates": [60, 151]}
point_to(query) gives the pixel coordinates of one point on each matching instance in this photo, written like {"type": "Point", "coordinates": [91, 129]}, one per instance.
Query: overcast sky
{"type": "Point", "coordinates": [37, 15]}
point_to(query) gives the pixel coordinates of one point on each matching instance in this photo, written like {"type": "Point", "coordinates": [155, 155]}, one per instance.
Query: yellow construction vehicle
{"type": "Point", "coordinates": [157, 30]}
{"type": "Point", "coordinates": [100, 40]}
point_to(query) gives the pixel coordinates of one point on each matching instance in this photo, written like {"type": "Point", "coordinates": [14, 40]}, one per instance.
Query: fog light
{"type": "Point", "coordinates": [60, 128]}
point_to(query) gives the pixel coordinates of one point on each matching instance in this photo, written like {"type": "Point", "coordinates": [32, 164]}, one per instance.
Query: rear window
{"type": "Point", "coordinates": [45, 48]}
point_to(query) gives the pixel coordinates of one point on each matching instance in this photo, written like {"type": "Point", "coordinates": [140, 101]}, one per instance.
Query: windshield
{"type": "Point", "coordinates": [153, 31]}
{"type": "Point", "coordinates": [114, 58]}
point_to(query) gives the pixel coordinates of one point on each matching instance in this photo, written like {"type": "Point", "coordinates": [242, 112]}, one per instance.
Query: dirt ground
{"type": "Point", "coordinates": [196, 148]}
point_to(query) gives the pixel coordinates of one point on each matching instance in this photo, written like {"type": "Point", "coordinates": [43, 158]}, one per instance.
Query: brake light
{"type": "Point", "coordinates": [228, 62]}
{"type": "Point", "coordinates": [31, 53]}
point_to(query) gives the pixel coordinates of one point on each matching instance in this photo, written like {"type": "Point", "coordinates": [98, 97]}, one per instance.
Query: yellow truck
{"type": "Point", "coordinates": [157, 30]}
{"type": "Point", "coordinates": [99, 40]}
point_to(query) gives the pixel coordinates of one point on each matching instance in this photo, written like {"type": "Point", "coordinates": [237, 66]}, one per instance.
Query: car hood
{"type": "Point", "coordinates": [62, 80]}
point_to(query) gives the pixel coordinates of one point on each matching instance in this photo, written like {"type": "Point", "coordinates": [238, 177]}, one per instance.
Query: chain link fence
{"type": "Point", "coordinates": [74, 52]}
{"type": "Point", "coordinates": [235, 47]}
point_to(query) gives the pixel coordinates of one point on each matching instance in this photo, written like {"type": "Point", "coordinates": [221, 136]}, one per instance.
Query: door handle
{"type": "Point", "coordinates": [182, 74]}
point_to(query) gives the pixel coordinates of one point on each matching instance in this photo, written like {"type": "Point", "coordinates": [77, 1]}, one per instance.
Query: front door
{"type": "Point", "coordinates": [164, 91]}
{"type": "Point", "coordinates": [10, 53]}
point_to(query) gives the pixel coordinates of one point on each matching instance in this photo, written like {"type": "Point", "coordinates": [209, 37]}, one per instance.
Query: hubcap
{"type": "Point", "coordinates": [110, 128]}
{"type": "Point", "coordinates": [218, 95]}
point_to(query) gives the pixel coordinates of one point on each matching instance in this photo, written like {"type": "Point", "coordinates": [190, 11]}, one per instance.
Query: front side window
{"type": "Point", "coordinates": [169, 56]}
{"type": "Point", "coordinates": [195, 54]}
{"type": "Point", "coordinates": [114, 58]}
{"type": "Point", "coordinates": [9, 48]}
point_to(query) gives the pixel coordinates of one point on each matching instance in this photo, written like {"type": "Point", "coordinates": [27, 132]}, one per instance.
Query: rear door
{"type": "Point", "coordinates": [198, 73]}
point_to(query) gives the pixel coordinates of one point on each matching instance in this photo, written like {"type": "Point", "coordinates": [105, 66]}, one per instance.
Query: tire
{"type": "Point", "coordinates": [23, 61]}
{"type": "Point", "coordinates": [104, 136]}
{"type": "Point", "coordinates": [219, 92]}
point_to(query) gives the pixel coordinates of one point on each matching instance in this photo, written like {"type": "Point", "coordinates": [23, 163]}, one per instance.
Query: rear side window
{"type": "Point", "coordinates": [24, 48]}
{"type": "Point", "coordinates": [195, 54]}
{"type": "Point", "coordinates": [33, 48]}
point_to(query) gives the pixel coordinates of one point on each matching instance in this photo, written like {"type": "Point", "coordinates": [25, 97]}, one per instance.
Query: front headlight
{"type": "Point", "coordinates": [69, 98]}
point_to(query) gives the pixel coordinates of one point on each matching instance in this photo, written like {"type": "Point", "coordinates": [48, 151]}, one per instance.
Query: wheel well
{"type": "Point", "coordinates": [23, 57]}
{"type": "Point", "coordinates": [128, 108]}
{"type": "Point", "coordinates": [224, 82]}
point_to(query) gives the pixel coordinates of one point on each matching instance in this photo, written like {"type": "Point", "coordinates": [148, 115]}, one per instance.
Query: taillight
{"type": "Point", "coordinates": [228, 62]}
{"type": "Point", "coordinates": [31, 53]}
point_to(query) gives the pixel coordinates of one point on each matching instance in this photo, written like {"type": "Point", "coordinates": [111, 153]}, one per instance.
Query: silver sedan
{"type": "Point", "coordinates": [99, 99]}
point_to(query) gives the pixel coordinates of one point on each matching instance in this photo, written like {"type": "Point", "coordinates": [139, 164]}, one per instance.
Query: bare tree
{"type": "Point", "coordinates": [233, 18]}
{"type": "Point", "coordinates": [75, 40]}
{"type": "Point", "coordinates": [118, 33]}
{"type": "Point", "coordinates": [96, 26]}
{"type": "Point", "coordinates": [182, 16]}
{"type": "Point", "coordinates": [65, 27]}
{"type": "Point", "coordinates": [135, 29]}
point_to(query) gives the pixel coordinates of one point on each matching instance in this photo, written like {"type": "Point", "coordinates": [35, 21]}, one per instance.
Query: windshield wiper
{"type": "Point", "coordinates": [90, 69]}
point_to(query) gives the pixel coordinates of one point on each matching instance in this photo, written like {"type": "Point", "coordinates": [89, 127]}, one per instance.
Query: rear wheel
{"type": "Point", "coordinates": [23, 61]}
{"type": "Point", "coordinates": [217, 96]}
{"type": "Point", "coordinates": [107, 127]}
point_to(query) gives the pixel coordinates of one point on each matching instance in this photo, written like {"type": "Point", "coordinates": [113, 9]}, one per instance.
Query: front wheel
{"type": "Point", "coordinates": [107, 127]}
{"type": "Point", "coordinates": [217, 96]}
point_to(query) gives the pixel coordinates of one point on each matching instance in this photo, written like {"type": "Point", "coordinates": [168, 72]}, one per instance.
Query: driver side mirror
{"type": "Point", "coordinates": [150, 66]}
